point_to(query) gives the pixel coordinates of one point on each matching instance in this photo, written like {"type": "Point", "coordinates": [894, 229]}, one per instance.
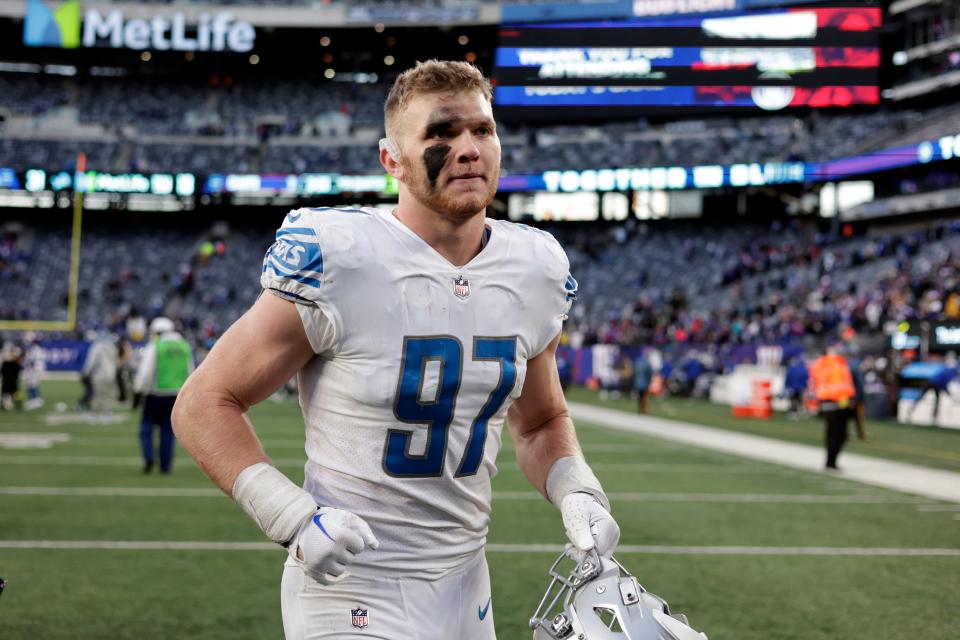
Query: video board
{"type": "Point", "coordinates": [760, 60]}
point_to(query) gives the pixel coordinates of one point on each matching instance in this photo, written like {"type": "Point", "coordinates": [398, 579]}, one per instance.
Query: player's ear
{"type": "Point", "coordinates": [390, 157]}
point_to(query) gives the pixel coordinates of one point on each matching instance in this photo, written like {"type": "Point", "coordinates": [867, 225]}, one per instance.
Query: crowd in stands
{"type": "Point", "coordinates": [660, 285]}
{"type": "Point", "coordinates": [750, 285]}
{"type": "Point", "coordinates": [691, 297]}
{"type": "Point", "coordinates": [282, 126]}
{"type": "Point", "coordinates": [193, 275]}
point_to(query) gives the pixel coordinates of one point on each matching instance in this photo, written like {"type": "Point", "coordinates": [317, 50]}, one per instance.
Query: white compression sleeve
{"type": "Point", "coordinates": [273, 501]}
{"type": "Point", "coordinates": [572, 474]}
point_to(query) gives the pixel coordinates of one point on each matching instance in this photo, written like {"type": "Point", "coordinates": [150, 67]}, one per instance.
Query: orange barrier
{"type": "Point", "coordinates": [761, 402]}
{"type": "Point", "coordinates": [657, 386]}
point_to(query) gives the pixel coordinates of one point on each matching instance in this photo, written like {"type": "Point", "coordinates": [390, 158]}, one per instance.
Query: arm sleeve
{"type": "Point", "coordinates": [293, 269]}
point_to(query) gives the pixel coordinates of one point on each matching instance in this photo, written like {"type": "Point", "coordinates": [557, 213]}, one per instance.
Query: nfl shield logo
{"type": "Point", "coordinates": [358, 618]}
{"type": "Point", "coordinates": [461, 287]}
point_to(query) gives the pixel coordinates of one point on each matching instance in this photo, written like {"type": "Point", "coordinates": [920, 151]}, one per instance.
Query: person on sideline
{"type": "Point", "coordinates": [937, 384]}
{"type": "Point", "coordinates": [833, 385]}
{"type": "Point", "coordinates": [164, 366]}
{"type": "Point", "coordinates": [642, 378]}
{"type": "Point", "coordinates": [100, 369]}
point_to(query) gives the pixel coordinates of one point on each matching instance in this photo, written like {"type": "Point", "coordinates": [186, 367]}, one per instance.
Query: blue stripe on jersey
{"type": "Point", "coordinates": [303, 231]}
{"type": "Point", "coordinates": [344, 209]}
{"type": "Point", "coordinates": [571, 288]}
{"type": "Point", "coordinates": [312, 282]}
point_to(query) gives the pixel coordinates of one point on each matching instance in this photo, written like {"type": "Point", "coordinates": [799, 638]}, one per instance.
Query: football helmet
{"type": "Point", "coordinates": [598, 599]}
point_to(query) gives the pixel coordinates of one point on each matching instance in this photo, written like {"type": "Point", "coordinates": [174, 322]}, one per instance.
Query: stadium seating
{"type": "Point", "coordinates": [668, 284]}
{"type": "Point", "coordinates": [757, 285]}
{"type": "Point", "coordinates": [281, 126]}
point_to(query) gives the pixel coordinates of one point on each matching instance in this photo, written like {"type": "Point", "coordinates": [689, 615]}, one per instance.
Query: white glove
{"type": "Point", "coordinates": [328, 542]}
{"type": "Point", "coordinates": [324, 541]}
{"type": "Point", "coordinates": [588, 524]}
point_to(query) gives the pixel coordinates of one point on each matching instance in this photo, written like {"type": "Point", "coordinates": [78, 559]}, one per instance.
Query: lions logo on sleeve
{"type": "Point", "coordinates": [294, 262]}
{"type": "Point", "coordinates": [310, 248]}
{"type": "Point", "coordinates": [570, 287]}
{"type": "Point", "coordinates": [296, 255]}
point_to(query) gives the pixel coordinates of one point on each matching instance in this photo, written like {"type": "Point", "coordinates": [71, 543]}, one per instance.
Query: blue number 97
{"type": "Point", "coordinates": [438, 412]}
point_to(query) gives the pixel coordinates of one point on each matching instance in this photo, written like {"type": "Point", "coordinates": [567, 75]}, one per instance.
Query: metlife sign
{"type": "Point", "coordinates": [60, 26]}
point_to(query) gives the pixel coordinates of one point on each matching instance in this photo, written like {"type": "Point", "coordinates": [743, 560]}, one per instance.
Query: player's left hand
{"type": "Point", "coordinates": [588, 524]}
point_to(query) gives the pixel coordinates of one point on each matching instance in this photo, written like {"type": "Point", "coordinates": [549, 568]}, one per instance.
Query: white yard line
{"type": "Point", "coordinates": [27, 440]}
{"type": "Point", "coordinates": [939, 507]}
{"type": "Point", "coordinates": [91, 461]}
{"type": "Point", "coordinates": [58, 419]}
{"type": "Point", "coordinates": [899, 476]}
{"type": "Point", "coordinates": [733, 497]}
{"type": "Point", "coordinates": [148, 545]}
{"type": "Point", "coordinates": [112, 492]}
{"type": "Point", "coordinates": [113, 461]}
{"type": "Point", "coordinates": [153, 492]}
{"type": "Point", "coordinates": [139, 545]}
{"type": "Point", "coordinates": [105, 461]}
{"type": "Point", "coordinates": [741, 551]}
{"type": "Point", "coordinates": [683, 467]}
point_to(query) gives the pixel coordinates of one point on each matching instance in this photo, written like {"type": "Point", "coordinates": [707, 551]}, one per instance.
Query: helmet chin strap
{"type": "Point", "coordinates": [393, 149]}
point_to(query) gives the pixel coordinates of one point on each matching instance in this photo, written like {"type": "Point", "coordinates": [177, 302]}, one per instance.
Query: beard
{"type": "Point", "coordinates": [440, 198]}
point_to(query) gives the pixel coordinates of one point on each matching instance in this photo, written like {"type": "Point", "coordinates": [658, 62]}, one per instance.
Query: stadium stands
{"type": "Point", "coordinates": [281, 126]}
{"type": "Point", "coordinates": [34, 263]}
{"type": "Point", "coordinates": [757, 285]}
{"type": "Point", "coordinates": [670, 285]}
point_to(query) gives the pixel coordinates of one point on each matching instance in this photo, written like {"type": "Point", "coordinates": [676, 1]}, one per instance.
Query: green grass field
{"type": "Point", "coordinates": [681, 510]}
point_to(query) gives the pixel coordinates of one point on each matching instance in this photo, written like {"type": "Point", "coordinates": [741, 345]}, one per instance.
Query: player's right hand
{"type": "Point", "coordinates": [328, 542]}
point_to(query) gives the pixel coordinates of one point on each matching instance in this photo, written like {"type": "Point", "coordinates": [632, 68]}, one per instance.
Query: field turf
{"type": "Point", "coordinates": [749, 551]}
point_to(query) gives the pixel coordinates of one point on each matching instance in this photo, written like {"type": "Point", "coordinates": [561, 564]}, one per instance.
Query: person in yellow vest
{"type": "Point", "coordinates": [833, 385]}
{"type": "Point", "coordinates": [164, 366]}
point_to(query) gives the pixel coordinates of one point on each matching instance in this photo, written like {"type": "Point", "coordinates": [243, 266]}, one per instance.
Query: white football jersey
{"type": "Point", "coordinates": [417, 363]}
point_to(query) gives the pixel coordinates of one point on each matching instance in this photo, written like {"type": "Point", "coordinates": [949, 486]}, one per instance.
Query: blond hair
{"type": "Point", "coordinates": [432, 76]}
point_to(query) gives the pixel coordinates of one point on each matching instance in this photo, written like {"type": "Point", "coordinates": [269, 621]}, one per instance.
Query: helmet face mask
{"type": "Point", "coordinates": [598, 599]}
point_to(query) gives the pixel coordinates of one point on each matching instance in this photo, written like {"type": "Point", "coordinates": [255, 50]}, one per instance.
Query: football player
{"type": "Point", "coordinates": [415, 333]}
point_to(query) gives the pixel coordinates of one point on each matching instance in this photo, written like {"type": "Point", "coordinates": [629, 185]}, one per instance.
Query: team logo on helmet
{"type": "Point", "coordinates": [461, 288]}
{"type": "Point", "coordinates": [359, 618]}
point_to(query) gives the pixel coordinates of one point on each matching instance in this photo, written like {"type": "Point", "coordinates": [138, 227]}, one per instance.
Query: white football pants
{"type": "Point", "coordinates": [455, 607]}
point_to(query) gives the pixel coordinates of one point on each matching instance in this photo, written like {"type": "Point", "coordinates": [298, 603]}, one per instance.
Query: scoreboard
{"type": "Point", "coordinates": [762, 60]}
